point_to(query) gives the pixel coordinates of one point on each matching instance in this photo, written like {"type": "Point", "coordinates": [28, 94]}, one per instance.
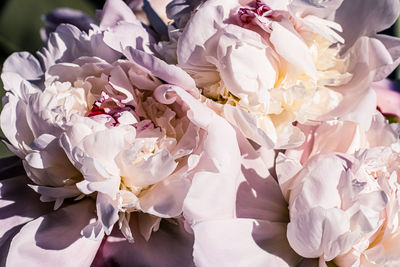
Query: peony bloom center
{"type": "Point", "coordinates": [110, 107]}
{"type": "Point", "coordinates": [247, 14]}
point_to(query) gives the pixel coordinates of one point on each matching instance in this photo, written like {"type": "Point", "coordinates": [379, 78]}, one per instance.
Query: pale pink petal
{"type": "Point", "coordinates": [365, 17]}
{"type": "Point", "coordinates": [14, 196]}
{"type": "Point", "coordinates": [260, 198]}
{"type": "Point", "coordinates": [392, 44]}
{"type": "Point", "coordinates": [237, 49]}
{"type": "Point", "coordinates": [381, 132]}
{"type": "Point", "coordinates": [47, 164]}
{"type": "Point", "coordinates": [333, 208]}
{"type": "Point", "coordinates": [363, 112]}
{"type": "Point", "coordinates": [325, 9]}
{"type": "Point", "coordinates": [105, 145]}
{"type": "Point", "coordinates": [58, 44]}
{"type": "Point", "coordinates": [40, 115]}
{"type": "Point", "coordinates": [368, 57]}
{"type": "Point", "coordinates": [159, 68]}
{"type": "Point", "coordinates": [357, 94]}
{"type": "Point", "coordinates": [57, 194]}
{"type": "Point", "coordinates": [286, 168]}
{"type": "Point", "coordinates": [219, 161]}
{"type": "Point", "coordinates": [242, 242]}
{"type": "Point", "coordinates": [258, 194]}
{"type": "Point", "coordinates": [24, 64]}
{"type": "Point", "coordinates": [317, 184]}
{"type": "Point", "coordinates": [247, 125]}
{"type": "Point", "coordinates": [117, 39]}
{"type": "Point", "coordinates": [386, 252]}
{"type": "Point", "coordinates": [218, 168]}
{"type": "Point", "coordinates": [165, 199]}
{"type": "Point", "coordinates": [16, 130]}
{"type": "Point", "coordinates": [68, 43]}
{"type": "Point", "coordinates": [147, 171]}
{"type": "Point", "coordinates": [198, 31]}
{"type": "Point", "coordinates": [107, 211]}
{"type": "Point", "coordinates": [311, 231]}
{"type": "Point", "coordinates": [115, 11]}
{"type": "Point", "coordinates": [330, 136]}
{"type": "Point", "coordinates": [54, 239]}
{"type": "Point", "coordinates": [284, 40]}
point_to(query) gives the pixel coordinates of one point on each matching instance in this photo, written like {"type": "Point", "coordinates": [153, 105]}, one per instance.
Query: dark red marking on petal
{"type": "Point", "coordinates": [247, 14]}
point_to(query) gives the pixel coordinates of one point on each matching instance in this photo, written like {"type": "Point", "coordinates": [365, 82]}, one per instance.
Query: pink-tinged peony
{"type": "Point", "coordinates": [266, 64]}
{"type": "Point", "coordinates": [342, 188]}
{"type": "Point", "coordinates": [346, 208]}
{"type": "Point", "coordinates": [101, 122]}
{"type": "Point", "coordinates": [388, 97]}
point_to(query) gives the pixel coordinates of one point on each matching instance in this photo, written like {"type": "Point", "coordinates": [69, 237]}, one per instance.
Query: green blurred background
{"type": "Point", "coordinates": [21, 20]}
{"type": "Point", "coordinates": [20, 23]}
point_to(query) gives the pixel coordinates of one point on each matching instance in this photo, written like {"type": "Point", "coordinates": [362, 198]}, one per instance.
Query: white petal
{"type": "Point", "coordinates": [56, 238]}
{"type": "Point", "coordinates": [284, 40]}
{"type": "Point", "coordinates": [225, 242]}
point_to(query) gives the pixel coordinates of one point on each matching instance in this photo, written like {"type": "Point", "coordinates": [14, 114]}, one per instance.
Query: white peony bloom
{"type": "Point", "coordinates": [273, 63]}
{"type": "Point", "coordinates": [99, 117]}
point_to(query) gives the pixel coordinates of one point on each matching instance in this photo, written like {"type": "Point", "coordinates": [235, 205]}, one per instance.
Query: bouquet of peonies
{"type": "Point", "coordinates": [232, 133]}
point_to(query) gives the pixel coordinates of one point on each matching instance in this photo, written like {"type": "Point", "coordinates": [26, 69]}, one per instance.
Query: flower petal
{"type": "Point", "coordinates": [284, 40]}
{"type": "Point", "coordinates": [159, 68]}
{"type": "Point", "coordinates": [365, 17]}
{"type": "Point", "coordinates": [36, 240]}
{"type": "Point", "coordinates": [24, 64]}
{"type": "Point", "coordinates": [115, 11]}
{"type": "Point", "coordinates": [225, 242]}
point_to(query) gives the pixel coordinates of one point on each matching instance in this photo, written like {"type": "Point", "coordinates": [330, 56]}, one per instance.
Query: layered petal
{"type": "Point", "coordinates": [37, 238]}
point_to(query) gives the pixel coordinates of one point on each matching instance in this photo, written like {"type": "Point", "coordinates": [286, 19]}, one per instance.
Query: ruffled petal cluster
{"type": "Point", "coordinates": [243, 133]}
{"type": "Point", "coordinates": [279, 63]}
{"type": "Point", "coordinates": [343, 195]}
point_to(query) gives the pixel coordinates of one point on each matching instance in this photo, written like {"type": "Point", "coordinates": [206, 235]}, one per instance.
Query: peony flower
{"type": "Point", "coordinates": [264, 65]}
{"type": "Point", "coordinates": [341, 186]}
{"type": "Point", "coordinates": [388, 97]}
{"type": "Point", "coordinates": [33, 118]}
{"type": "Point", "coordinates": [345, 208]}
{"type": "Point", "coordinates": [34, 234]}
{"type": "Point", "coordinates": [99, 119]}
{"type": "Point", "coordinates": [161, 153]}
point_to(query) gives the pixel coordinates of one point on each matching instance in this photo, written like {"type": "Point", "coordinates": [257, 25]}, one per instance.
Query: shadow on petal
{"type": "Point", "coordinates": [171, 245]}
{"type": "Point", "coordinates": [14, 197]}
{"type": "Point", "coordinates": [260, 198]}
{"type": "Point", "coordinates": [55, 237]}
{"type": "Point", "coordinates": [65, 222]}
